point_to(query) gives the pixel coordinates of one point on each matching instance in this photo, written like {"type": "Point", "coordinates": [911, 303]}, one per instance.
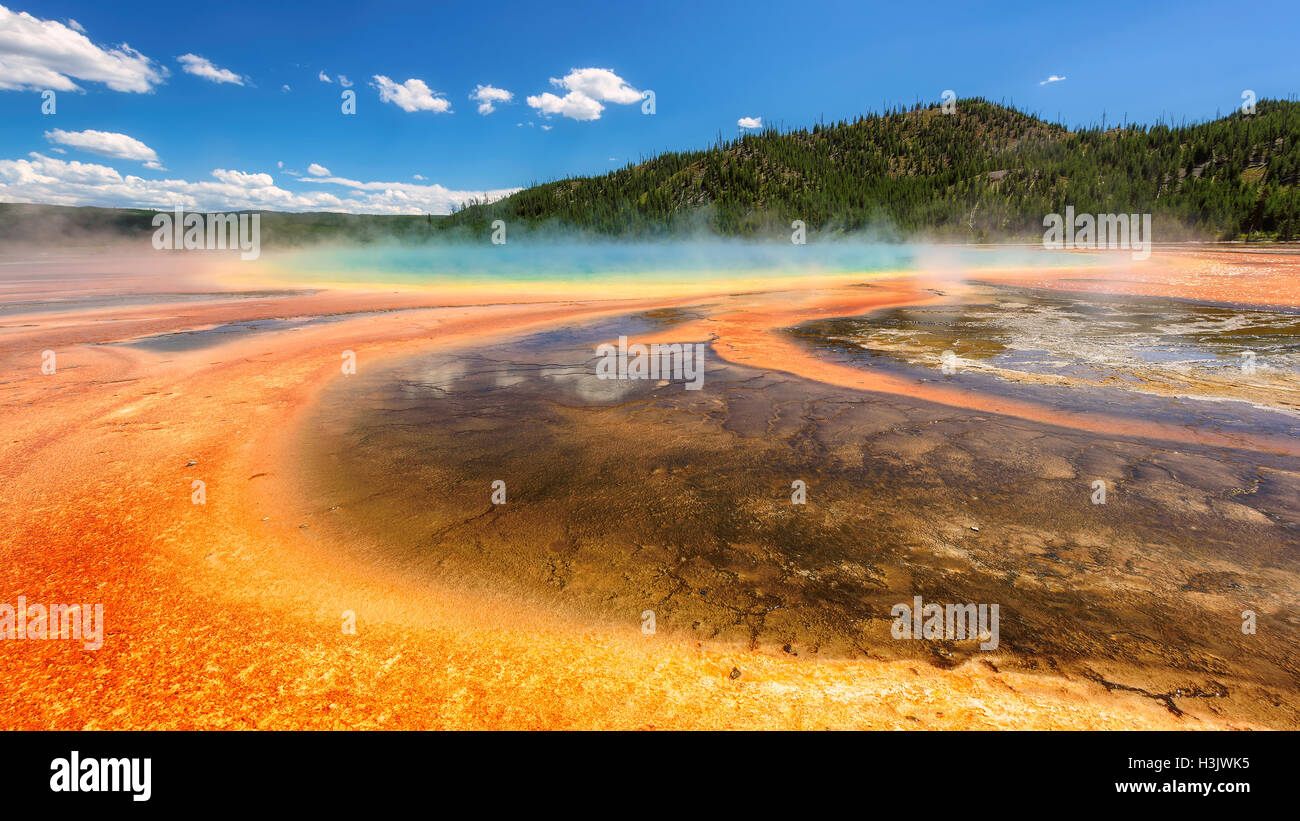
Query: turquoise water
{"type": "Point", "coordinates": [568, 261]}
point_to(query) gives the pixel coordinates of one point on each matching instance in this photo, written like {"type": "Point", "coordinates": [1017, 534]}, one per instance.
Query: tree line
{"type": "Point", "coordinates": [985, 172]}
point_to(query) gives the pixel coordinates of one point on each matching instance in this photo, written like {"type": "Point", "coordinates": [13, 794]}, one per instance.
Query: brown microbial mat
{"type": "Point", "coordinates": [628, 496]}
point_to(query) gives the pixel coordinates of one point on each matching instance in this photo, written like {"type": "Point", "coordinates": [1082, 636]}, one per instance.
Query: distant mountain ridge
{"type": "Point", "coordinates": [982, 173]}
{"type": "Point", "coordinates": [64, 225]}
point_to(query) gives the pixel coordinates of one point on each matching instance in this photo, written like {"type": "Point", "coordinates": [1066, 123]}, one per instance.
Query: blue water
{"type": "Point", "coordinates": [533, 260]}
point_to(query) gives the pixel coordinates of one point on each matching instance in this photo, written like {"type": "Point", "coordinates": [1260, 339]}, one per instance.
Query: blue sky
{"type": "Point", "coordinates": [709, 64]}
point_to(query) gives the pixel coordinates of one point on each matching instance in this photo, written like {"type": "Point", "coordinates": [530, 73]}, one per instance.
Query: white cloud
{"type": "Point", "coordinates": [75, 26]}
{"type": "Point", "coordinates": [419, 177]}
{"type": "Point", "coordinates": [104, 143]}
{"type": "Point", "coordinates": [599, 84]}
{"type": "Point", "coordinates": [318, 170]}
{"type": "Point", "coordinates": [285, 88]}
{"type": "Point", "coordinates": [573, 105]}
{"type": "Point", "coordinates": [412, 95]}
{"type": "Point", "coordinates": [587, 89]}
{"type": "Point", "coordinates": [325, 78]}
{"type": "Point", "coordinates": [407, 198]}
{"type": "Point", "coordinates": [344, 81]}
{"type": "Point", "coordinates": [488, 96]}
{"type": "Point", "coordinates": [1052, 79]}
{"type": "Point", "coordinates": [59, 182]}
{"type": "Point", "coordinates": [750, 122]}
{"type": "Point", "coordinates": [546, 128]}
{"type": "Point", "coordinates": [38, 54]}
{"type": "Point", "coordinates": [244, 178]}
{"type": "Point", "coordinates": [203, 67]}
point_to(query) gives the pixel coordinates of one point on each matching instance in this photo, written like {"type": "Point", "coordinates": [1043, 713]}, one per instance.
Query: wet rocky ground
{"type": "Point", "coordinates": [624, 496]}
{"type": "Point", "coordinates": [1153, 345]}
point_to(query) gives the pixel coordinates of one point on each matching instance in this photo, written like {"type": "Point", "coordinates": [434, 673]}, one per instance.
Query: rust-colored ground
{"type": "Point", "coordinates": [228, 614]}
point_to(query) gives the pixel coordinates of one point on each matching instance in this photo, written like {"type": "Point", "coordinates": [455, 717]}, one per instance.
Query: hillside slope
{"type": "Point", "coordinates": [986, 172]}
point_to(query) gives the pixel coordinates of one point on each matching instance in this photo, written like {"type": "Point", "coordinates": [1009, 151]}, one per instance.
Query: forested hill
{"type": "Point", "coordinates": [985, 172]}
